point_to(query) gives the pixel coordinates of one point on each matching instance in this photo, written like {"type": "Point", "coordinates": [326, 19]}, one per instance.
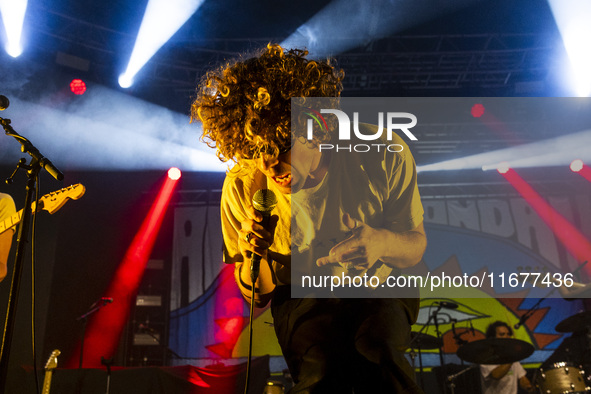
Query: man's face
{"type": "Point", "coordinates": [289, 171]}
{"type": "Point", "coordinates": [502, 332]}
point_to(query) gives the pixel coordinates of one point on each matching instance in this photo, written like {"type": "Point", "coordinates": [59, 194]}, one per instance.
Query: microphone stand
{"type": "Point", "coordinates": [531, 310]}
{"type": "Point", "coordinates": [107, 363]}
{"type": "Point", "coordinates": [33, 168]}
{"type": "Point", "coordinates": [451, 378]}
{"type": "Point", "coordinates": [440, 348]}
{"type": "Point", "coordinates": [94, 307]}
{"type": "Point", "coordinates": [410, 344]}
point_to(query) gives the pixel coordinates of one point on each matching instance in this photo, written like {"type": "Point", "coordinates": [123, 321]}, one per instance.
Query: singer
{"type": "Point", "coordinates": [331, 345]}
{"type": "Point", "coordinates": [504, 378]}
{"type": "Point", "coordinates": [7, 209]}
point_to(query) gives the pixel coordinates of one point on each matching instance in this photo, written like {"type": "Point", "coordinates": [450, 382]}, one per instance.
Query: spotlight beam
{"type": "Point", "coordinates": [335, 29]}
{"type": "Point", "coordinates": [109, 130]}
{"type": "Point", "coordinates": [106, 326]}
{"type": "Point", "coordinates": [547, 153]}
{"type": "Point", "coordinates": [162, 19]}
{"type": "Point", "coordinates": [573, 240]}
{"type": "Point", "coordinates": [572, 19]}
{"type": "Point", "coordinates": [13, 16]}
{"type": "Point", "coordinates": [585, 172]}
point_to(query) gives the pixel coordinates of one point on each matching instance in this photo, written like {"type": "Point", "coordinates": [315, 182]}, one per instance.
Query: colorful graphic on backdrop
{"type": "Point", "coordinates": [210, 322]}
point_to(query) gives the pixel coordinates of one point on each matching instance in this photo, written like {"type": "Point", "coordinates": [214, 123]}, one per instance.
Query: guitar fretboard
{"type": "Point", "coordinates": [12, 221]}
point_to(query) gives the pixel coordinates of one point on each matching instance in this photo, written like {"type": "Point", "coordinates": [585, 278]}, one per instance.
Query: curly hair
{"type": "Point", "coordinates": [244, 105]}
{"type": "Point", "coordinates": [491, 330]}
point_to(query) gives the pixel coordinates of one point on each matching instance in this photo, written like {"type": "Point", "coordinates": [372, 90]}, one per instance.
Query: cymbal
{"type": "Point", "coordinates": [495, 351]}
{"type": "Point", "coordinates": [424, 341]}
{"type": "Point", "coordinates": [580, 321]}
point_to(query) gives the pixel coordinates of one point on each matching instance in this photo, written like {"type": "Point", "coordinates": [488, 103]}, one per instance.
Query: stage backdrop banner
{"type": "Point", "coordinates": [465, 236]}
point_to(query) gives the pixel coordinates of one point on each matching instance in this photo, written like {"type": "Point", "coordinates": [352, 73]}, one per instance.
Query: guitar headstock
{"type": "Point", "coordinates": [52, 361]}
{"type": "Point", "coordinates": [55, 200]}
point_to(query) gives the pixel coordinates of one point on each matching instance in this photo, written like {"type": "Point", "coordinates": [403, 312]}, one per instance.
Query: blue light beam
{"type": "Point", "coordinates": [13, 16]}
{"type": "Point", "coordinates": [161, 20]}
{"type": "Point", "coordinates": [572, 18]}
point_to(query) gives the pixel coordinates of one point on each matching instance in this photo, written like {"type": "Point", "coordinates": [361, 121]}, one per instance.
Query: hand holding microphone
{"type": "Point", "coordinates": [258, 230]}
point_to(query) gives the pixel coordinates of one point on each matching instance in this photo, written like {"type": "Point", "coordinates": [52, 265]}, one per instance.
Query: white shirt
{"type": "Point", "coordinates": [506, 385]}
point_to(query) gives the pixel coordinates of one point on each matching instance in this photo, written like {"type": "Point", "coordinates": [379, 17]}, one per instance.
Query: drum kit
{"type": "Point", "coordinates": [558, 377]}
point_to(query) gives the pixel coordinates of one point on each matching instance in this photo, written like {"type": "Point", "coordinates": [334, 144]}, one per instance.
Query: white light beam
{"type": "Point", "coordinates": [13, 16]}
{"type": "Point", "coordinates": [161, 20]}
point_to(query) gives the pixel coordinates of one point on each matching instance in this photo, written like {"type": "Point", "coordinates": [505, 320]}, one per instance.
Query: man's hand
{"type": "Point", "coordinates": [525, 384]}
{"type": "Point", "coordinates": [253, 237]}
{"type": "Point", "coordinates": [360, 251]}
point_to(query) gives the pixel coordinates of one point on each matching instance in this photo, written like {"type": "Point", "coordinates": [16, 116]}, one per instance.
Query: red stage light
{"type": "Point", "coordinates": [576, 165]}
{"type": "Point", "coordinates": [174, 173]}
{"type": "Point", "coordinates": [503, 168]}
{"type": "Point", "coordinates": [580, 168]}
{"type": "Point", "coordinates": [477, 110]}
{"type": "Point", "coordinates": [105, 327]}
{"type": "Point", "coordinates": [77, 86]}
{"type": "Point", "coordinates": [573, 239]}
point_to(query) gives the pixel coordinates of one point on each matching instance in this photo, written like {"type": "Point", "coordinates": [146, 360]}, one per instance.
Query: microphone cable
{"type": "Point", "coordinates": [250, 319]}
{"type": "Point", "coordinates": [263, 201]}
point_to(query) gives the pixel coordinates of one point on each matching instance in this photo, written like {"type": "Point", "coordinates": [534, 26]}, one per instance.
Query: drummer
{"type": "Point", "coordinates": [503, 378]}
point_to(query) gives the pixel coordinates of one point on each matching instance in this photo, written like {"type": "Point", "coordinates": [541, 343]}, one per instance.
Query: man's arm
{"type": "Point", "coordinates": [526, 385]}
{"type": "Point", "coordinates": [400, 241]}
{"type": "Point", "coordinates": [238, 220]}
{"type": "Point", "coordinates": [5, 244]}
{"type": "Point", "coordinates": [500, 371]}
{"type": "Point", "coordinates": [7, 209]}
{"type": "Point", "coordinates": [404, 249]}
{"type": "Point", "coordinates": [368, 245]}
{"type": "Point", "coordinates": [265, 284]}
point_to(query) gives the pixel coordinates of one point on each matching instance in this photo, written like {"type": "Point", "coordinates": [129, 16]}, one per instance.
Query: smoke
{"type": "Point", "coordinates": [346, 24]}
{"type": "Point", "coordinates": [107, 130]}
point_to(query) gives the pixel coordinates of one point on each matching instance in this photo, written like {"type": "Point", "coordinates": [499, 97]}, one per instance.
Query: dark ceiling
{"type": "Point", "coordinates": [499, 48]}
{"type": "Point", "coordinates": [485, 48]}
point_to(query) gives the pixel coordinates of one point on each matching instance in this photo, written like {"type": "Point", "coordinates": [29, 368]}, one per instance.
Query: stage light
{"type": "Point", "coordinates": [125, 81]}
{"type": "Point", "coordinates": [477, 110]}
{"type": "Point", "coordinates": [503, 168]}
{"type": "Point", "coordinates": [162, 19]}
{"type": "Point", "coordinates": [77, 86]}
{"type": "Point", "coordinates": [174, 173]}
{"type": "Point", "coordinates": [576, 165]}
{"type": "Point", "coordinates": [572, 19]}
{"type": "Point", "coordinates": [105, 327]}
{"type": "Point", "coordinates": [579, 167]}
{"type": "Point", "coordinates": [13, 15]}
{"type": "Point", "coordinates": [572, 239]}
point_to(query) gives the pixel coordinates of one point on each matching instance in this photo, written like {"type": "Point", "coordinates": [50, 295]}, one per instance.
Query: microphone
{"type": "Point", "coordinates": [521, 321]}
{"type": "Point", "coordinates": [447, 304]}
{"type": "Point", "coordinates": [4, 102]}
{"type": "Point", "coordinates": [98, 304]}
{"type": "Point", "coordinates": [472, 328]}
{"type": "Point", "coordinates": [263, 201]}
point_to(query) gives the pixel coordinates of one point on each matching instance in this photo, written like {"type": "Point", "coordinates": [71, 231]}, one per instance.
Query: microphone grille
{"type": "Point", "coordinates": [264, 200]}
{"type": "Point", "coordinates": [4, 102]}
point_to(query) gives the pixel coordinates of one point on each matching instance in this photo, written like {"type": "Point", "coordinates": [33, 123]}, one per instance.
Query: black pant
{"type": "Point", "coordinates": [340, 345]}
